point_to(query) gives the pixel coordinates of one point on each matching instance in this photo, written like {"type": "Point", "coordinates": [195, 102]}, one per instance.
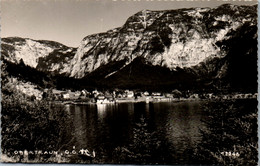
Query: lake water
{"type": "Point", "coordinates": [105, 127]}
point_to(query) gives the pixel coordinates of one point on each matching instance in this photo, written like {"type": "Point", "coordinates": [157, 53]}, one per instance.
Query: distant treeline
{"type": "Point", "coordinates": [152, 78]}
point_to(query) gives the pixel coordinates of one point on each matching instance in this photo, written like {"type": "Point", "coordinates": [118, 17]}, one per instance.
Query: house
{"type": "Point", "coordinates": [101, 99]}
{"type": "Point", "coordinates": [119, 95]}
{"type": "Point", "coordinates": [129, 94]}
{"type": "Point", "coordinates": [109, 96]}
{"type": "Point", "coordinates": [66, 96]}
{"type": "Point", "coordinates": [95, 93]}
{"type": "Point", "coordinates": [176, 93]}
{"type": "Point", "coordinates": [57, 93]}
{"type": "Point", "coordinates": [70, 95]}
{"type": "Point", "coordinates": [168, 95]}
{"type": "Point", "coordinates": [84, 94]}
{"type": "Point", "coordinates": [194, 96]}
{"type": "Point", "coordinates": [158, 98]}
{"type": "Point", "coordinates": [156, 94]}
{"type": "Point", "coordinates": [146, 93]}
{"type": "Point", "coordinates": [77, 94]}
{"type": "Point", "coordinates": [104, 101]}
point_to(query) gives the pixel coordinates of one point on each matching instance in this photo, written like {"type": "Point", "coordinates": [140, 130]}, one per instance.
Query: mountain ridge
{"type": "Point", "coordinates": [196, 41]}
{"type": "Point", "coordinates": [132, 40]}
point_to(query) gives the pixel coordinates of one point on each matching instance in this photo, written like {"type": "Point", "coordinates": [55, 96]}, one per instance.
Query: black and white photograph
{"type": "Point", "coordinates": [139, 82]}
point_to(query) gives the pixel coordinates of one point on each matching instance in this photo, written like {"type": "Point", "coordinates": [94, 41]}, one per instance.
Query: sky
{"type": "Point", "coordinates": [69, 21]}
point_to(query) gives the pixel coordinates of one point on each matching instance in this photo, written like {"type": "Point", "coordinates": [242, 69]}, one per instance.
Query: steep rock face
{"type": "Point", "coordinates": [57, 62]}
{"type": "Point", "coordinates": [174, 38]}
{"type": "Point", "coordinates": [195, 48]}
{"type": "Point", "coordinates": [41, 54]}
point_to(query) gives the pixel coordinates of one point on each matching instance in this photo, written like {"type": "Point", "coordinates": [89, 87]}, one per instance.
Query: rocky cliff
{"type": "Point", "coordinates": [41, 54]}
{"type": "Point", "coordinates": [177, 48]}
{"type": "Point", "coordinates": [174, 38]}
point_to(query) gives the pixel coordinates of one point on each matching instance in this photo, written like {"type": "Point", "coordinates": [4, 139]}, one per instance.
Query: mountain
{"type": "Point", "coordinates": [195, 48]}
{"type": "Point", "coordinates": [173, 38]}
{"type": "Point", "coordinates": [41, 54]}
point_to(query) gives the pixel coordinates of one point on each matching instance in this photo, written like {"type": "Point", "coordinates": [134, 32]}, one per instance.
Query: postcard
{"type": "Point", "coordinates": [169, 82]}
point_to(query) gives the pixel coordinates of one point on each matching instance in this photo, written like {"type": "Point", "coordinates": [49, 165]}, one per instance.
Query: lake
{"type": "Point", "coordinates": [184, 132]}
{"type": "Point", "coordinates": [106, 128]}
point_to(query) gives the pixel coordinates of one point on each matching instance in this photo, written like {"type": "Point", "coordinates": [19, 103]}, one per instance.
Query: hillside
{"type": "Point", "coordinates": [191, 49]}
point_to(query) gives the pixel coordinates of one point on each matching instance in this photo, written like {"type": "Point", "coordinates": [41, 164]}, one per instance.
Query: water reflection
{"type": "Point", "coordinates": [79, 124]}
{"type": "Point", "coordinates": [182, 128]}
{"type": "Point", "coordinates": [147, 108]}
{"type": "Point", "coordinates": [107, 126]}
{"type": "Point", "coordinates": [101, 109]}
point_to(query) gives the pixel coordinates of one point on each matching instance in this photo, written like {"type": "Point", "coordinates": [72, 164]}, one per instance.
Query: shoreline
{"type": "Point", "coordinates": [117, 101]}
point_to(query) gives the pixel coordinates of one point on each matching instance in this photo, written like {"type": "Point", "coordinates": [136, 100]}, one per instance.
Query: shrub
{"type": "Point", "coordinates": [231, 127]}
{"type": "Point", "coordinates": [145, 148]}
{"type": "Point", "coordinates": [30, 125]}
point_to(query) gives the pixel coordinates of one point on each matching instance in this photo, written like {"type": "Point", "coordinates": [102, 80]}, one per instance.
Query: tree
{"type": "Point", "coordinates": [145, 148]}
{"type": "Point", "coordinates": [30, 125]}
{"type": "Point", "coordinates": [230, 136]}
{"type": "Point", "coordinates": [176, 93]}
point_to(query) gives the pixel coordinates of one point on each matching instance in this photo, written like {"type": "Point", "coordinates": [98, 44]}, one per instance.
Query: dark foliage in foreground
{"type": "Point", "coordinates": [145, 148]}
{"type": "Point", "coordinates": [29, 125]}
{"type": "Point", "coordinates": [231, 130]}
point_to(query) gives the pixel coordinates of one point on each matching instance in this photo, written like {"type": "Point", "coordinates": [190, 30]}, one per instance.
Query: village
{"type": "Point", "coordinates": [120, 96]}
